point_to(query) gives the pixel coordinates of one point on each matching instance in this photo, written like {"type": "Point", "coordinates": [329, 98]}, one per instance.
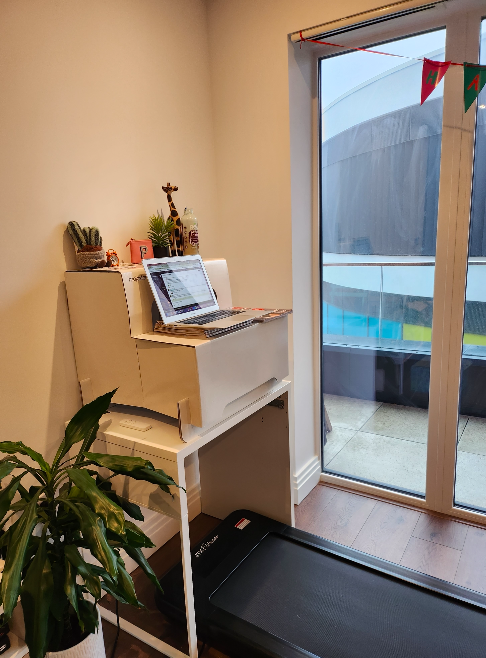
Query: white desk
{"type": "Point", "coordinates": [244, 462]}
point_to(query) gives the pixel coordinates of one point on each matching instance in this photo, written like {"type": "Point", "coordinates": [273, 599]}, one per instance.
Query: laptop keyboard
{"type": "Point", "coordinates": [209, 317]}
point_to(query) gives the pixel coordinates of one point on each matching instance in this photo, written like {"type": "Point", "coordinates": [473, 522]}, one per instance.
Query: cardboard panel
{"type": "Point", "coordinates": [139, 300]}
{"type": "Point", "coordinates": [105, 353]}
{"type": "Point", "coordinates": [237, 364]}
{"type": "Point", "coordinates": [248, 467]}
{"type": "Point", "coordinates": [217, 270]}
{"type": "Point", "coordinates": [169, 374]}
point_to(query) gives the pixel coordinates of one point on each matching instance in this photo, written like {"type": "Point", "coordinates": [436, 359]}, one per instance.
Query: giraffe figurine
{"type": "Point", "coordinates": [177, 245]}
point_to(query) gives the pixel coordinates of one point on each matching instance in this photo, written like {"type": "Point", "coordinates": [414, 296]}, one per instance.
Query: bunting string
{"type": "Point", "coordinates": [432, 71]}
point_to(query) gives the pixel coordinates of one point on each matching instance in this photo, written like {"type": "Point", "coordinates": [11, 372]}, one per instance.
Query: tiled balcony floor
{"type": "Point", "coordinates": [387, 444]}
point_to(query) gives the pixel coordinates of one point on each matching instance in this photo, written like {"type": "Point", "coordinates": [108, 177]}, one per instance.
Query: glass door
{"type": "Point", "coordinates": [379, 190]}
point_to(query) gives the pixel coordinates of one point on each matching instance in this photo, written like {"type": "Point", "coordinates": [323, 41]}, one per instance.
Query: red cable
{"type": "Point", "coordinates": [376, 52]}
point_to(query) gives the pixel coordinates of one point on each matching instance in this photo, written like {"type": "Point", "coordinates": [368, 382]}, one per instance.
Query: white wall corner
{"type": "Point", "coordinates": [305, 269]}
{"type": "Point", "coordinates": [161, 528]}
{"type": "Point", "coordinates": [306, 479]}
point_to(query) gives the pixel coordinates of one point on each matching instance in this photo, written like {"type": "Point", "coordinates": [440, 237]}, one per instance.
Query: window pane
{"type": "Point", "coordinates": [471, 448]}
{"type": "Point", "coordinates": [380, 163]}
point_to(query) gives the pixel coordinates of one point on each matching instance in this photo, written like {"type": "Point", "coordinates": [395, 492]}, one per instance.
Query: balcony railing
{"type": "Point", "coordinates": [385, 303]}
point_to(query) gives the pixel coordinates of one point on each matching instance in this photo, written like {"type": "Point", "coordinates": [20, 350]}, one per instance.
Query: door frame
{"type": "Point", "coordinates": [455, 191]}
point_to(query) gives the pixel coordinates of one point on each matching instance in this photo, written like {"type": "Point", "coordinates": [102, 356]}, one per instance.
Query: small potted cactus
{"type": "Point", "coordinates": [88, 243]}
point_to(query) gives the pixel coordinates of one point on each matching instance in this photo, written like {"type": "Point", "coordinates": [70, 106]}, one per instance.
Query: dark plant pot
{"type": "Point", "coordinates": [161, 252]}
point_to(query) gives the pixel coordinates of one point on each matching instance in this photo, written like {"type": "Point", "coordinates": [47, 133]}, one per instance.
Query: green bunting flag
{"type": "Point", "coordinates": [474, 81]}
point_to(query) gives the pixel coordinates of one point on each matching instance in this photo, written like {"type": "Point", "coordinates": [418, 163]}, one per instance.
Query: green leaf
{"type": "Point", "coordinates": [24, 493]}
{"type": "Point", "coordinates": [135, 537]}
{"type": "Point", "coordinates": [157, 476]}
{"type": "Point", "coordinates": [54, 633]}
{"type": "Point", "coordinates": [36, 596]}
{"type": "Point", "coordinates": [109, 511]}
{"type": "Point", "coordinates": [124, 590]}
{"type": "Point", "coordinates": [87, 443]}
{"type": "Point", "coordinates": [18, 506]}
{"type": "Point", "coordinates": [91, 581]}
{"type": "Point", "coordinates": [76, 492]}
{"type": "Point", "coordinates": [88, 615]}
{"type": "Point", "coordinates": [94, 534]}
{"type": "Point", "coordinates": [32, 548]}
{"type": "Point", "coordinates": [70, 586]}
{"type": "Point", "coordinates": [135, 467]}
{"type": "Point", "coordinates": [6, 468]}
{"type": "Point", "coordinates": [126, 586]}
{"type": "Point", "coordinates": [137, 555]}
{"type": "Point", "coordinates": [128, 507]}
{"type": "Point", "coordinates": [4, 541]}
{"type": "Point", "coordinates": [64, 490]}
{"type": "Point", "coordinates": [81, 425]}
{"type": "Point", "coordinates": [59, 602]}
{"type": "Point", "coordinates": [118, 463]}
{"type": "Point", "coordinates": [11, 448]}
{"type": "Point", "coordinates": [17, 546]}
{"type": "Point", "coordinates": [7, 494]}
{"type": "Point", "coordinates": [111, 588]}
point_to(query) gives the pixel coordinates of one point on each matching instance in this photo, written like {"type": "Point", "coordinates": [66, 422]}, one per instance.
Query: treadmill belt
{"type": "Point", "coordinates": [337, 609]}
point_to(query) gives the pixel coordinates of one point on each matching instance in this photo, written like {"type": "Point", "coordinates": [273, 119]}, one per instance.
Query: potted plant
{"type": "Point", "coordinates": [160, 231]}
{"type": "Point", "coordinates": [70, 508]}
{"type": "Point", "coordinates": [88, 242]}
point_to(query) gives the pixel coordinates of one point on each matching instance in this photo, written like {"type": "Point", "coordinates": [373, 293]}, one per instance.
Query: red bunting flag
{"type": "Point", "coordinates": [432, 74]}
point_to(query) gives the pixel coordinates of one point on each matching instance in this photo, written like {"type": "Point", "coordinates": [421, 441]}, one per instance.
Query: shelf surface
{"type": "Point", "coordinates": [163, 438]}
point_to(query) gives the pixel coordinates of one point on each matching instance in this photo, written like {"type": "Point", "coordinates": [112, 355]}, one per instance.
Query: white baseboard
{"type": "Point", "coordinates": [161, 528]}
{"type": "Point", "coordinates": [306, 479]}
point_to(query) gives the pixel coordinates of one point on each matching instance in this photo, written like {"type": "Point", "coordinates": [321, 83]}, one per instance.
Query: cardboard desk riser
{"type": "Point", "coordinates": [115, 347]}
{"type": "Point", "coordinates": [225, 387]}
{"type": "Point", "coordinates": [243, 462]}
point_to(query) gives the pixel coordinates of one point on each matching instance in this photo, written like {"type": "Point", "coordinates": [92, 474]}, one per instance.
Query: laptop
{"type": "Point", "coordinates": [186, 299]}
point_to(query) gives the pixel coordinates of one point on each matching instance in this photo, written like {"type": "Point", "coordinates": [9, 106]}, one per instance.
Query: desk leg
{"type": "Point", "coordinates": [187, 567]}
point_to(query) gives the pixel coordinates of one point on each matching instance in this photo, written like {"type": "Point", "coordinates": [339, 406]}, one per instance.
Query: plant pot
{"type": "Point", "coordinates": [92, 646]}
{"type": "Point", "coordinates": [88, 260]}
{"type": "Point", "coordinates": [160, 252]}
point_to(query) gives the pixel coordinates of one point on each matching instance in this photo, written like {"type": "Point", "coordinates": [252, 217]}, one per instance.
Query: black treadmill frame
{"type": "Point", "coordinates": [240, 638]}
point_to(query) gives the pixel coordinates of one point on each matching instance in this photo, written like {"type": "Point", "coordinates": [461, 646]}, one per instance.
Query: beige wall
{"type": "Point", "coordinates": [101, 102]}
{"type": "Point", "coordinates": [262, 99]}
{"type": "Point", "coordinates": [250, 85]}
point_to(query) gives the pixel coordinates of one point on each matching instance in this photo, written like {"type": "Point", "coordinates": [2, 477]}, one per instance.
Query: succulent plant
{"type": "Point", "coordinates": [77, 235]}
{"type": "Point", "coordinates": [89, 236]}
{"type": "Point", "coordinates": [94, 237]}
{"type": "Point", "coordinates": [160, 230]}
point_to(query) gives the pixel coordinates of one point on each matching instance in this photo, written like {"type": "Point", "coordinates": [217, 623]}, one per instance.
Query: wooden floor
{"type": "Point", "coordinates": [438, 546]}
{"type": "Point", "coordinates": [435, 545]}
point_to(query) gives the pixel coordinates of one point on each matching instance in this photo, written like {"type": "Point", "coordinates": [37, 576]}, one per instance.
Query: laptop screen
{"type": "Point", "coordinates": [181, 287]}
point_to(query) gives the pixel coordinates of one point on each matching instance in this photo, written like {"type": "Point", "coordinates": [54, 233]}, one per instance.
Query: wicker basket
{"type": "Point", "coordinates": [88, 260]}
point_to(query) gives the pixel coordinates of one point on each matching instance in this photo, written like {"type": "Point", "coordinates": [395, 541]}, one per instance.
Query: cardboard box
{"type": "Point", "coordinates": [115, 347]}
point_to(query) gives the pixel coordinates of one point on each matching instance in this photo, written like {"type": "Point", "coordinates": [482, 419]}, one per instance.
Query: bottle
{"type": "Point", "coordinates": [190, 233]}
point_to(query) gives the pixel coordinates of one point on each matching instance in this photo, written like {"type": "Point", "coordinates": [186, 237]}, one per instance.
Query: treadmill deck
{"type": "Point", "coordinates": [270, 590]}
